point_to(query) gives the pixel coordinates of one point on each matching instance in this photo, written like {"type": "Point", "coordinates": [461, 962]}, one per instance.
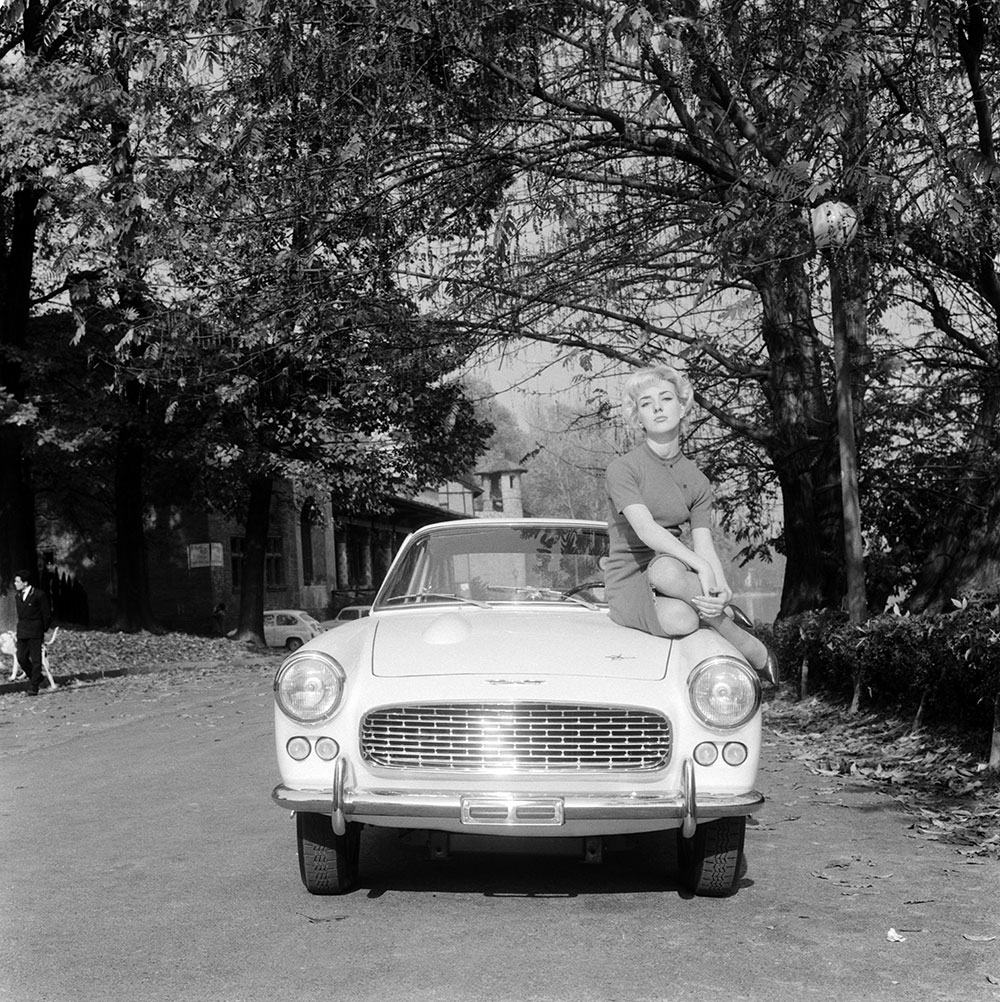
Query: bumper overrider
{"type": "Point", "coordinates": [429, 806]}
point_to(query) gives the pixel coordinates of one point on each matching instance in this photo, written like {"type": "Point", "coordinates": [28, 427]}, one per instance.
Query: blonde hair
{"type": "Point", "coordinates": [640, 381]}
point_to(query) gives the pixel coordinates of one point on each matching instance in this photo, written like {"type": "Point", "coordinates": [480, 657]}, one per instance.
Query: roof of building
{"type": "Point", "coordinates": [408, 508]}
{"type": "Point", "coordinates": [500, 466]}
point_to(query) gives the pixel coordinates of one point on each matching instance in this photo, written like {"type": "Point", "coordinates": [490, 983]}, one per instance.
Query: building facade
{"type": "Point", "coordinates": [317, 559]}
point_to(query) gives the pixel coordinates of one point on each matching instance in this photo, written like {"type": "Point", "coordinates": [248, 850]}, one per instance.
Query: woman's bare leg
{"type": "Point", "coordinates": [676, 583]}
{"type": "Point", "coordinates": [670, 577]}
{"type": "Point", "coordinates": [671, 582]}
{"type": "Point", "coordinates": [677, 618]}
{"type": "Point", "coordinates": [748, 645]}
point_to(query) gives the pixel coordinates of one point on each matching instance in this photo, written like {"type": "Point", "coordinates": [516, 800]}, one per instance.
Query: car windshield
{"type": "Point", "coordinates": [491, 564]}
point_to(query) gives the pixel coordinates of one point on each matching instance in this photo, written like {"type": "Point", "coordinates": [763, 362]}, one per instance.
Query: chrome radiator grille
{"type": "Point", "coordinates": [523, 736]}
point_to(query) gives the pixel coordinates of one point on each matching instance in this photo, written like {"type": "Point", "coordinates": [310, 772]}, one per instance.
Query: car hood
{"type": "Point", "coordinates": [508, 643]}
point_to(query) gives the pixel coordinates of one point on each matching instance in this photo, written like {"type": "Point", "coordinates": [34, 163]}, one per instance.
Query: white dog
{"type": "Point", "coordinates": [8, 647]}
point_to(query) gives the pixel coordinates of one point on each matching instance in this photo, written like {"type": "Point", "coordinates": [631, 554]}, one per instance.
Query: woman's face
{"type": "Point", "coordinates": [660, 410]}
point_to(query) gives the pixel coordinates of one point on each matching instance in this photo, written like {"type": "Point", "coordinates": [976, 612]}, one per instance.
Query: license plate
{"type": "Point", "coordinates": [504, 811]}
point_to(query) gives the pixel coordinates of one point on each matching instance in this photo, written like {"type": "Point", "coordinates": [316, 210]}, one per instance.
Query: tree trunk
{"type": "Point", "coordinates": [847, 298]}
{"type": "Point", "coordinates": [17, 504]}
{"type": "Point", "coordinates": [850, 294]}
{"type": "Point", "coordinates": [18, 231]}
{"type": "Point", "coordinates": [135, 609]}
{"type": "Point", "coordinates": [250, 625]}
{"type": "Point", "coordinates": [812, 547]}
{"type": "Point", "coordinates": [966, 556]}
{"type": "Point", "coordinates": [994, 762]}
{"type": "Point", "coordinates": [17, 508]}
{"type": "Point", "coordinates": [803, 444]}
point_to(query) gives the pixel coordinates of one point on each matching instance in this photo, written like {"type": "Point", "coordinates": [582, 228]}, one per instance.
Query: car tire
{"type": "Point", "coordinates": [293, 644]}
{"type": "Point", "coordinates": [328, 863]}
{"type": "Point", "coordinates": [711, 861]}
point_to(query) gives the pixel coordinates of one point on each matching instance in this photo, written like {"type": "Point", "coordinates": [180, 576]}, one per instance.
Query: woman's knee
{"type": "Point", "coordinates": [668, 576]}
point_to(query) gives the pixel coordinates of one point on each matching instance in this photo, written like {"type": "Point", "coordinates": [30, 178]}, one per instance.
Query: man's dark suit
{"type": "Point", "coordinates": [32, 622]}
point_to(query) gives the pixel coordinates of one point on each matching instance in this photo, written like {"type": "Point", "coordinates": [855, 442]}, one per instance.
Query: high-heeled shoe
{"type": "Point", "coordinates": [769, 674]}
{"type": "Point", "coordinates": [740, 618]}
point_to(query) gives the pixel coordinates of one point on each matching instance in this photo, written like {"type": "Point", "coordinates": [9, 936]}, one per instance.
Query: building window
{"type": "Point", "coordinates": [274, 562]}
{"type": "Point", "coordinates": [496, 492]}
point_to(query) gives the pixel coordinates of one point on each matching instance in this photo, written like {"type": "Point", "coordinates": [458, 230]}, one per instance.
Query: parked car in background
{"type": "Point", "coordinates": [289, 628]}
{"type": "Point", "coordinates": [489, 694]}
{"type": "Point", "coordinates": [348, 614]}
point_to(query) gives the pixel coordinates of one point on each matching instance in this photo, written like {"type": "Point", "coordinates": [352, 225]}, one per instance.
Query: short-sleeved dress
{"type": "Point", "coordinates": [676, 492]}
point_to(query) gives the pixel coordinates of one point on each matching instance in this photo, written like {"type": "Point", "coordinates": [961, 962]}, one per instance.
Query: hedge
{"type": "Point", "coordinates": [939, 670]}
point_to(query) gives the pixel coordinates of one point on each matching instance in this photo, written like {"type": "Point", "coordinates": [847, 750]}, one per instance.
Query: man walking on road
{"type": "Point", "coordinates": [32, 621]}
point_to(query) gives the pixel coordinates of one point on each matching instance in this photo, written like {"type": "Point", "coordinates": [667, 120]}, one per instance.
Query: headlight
{"type": "Point", "coordinates": [724, 692]}
{"type": "Point", "coordinates": [309, 686]}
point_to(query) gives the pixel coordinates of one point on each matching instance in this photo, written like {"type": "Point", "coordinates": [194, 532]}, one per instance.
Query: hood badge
{"type": "Point", "coordinates": [515, 681]}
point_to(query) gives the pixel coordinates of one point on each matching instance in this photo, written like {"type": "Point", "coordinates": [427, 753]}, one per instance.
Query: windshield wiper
{"type": "Point", "coordinates": [580, 600]}
{"type": "Point", "coordinates": [434, 595]}
{"type": "Point", "coordinates": [532, 592]}
{"type": "Point", "coordinates": [568, 596]}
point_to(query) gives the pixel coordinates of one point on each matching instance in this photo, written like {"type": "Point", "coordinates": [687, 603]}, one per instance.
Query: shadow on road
{"type": "Point", "coordinates": [647, 863]}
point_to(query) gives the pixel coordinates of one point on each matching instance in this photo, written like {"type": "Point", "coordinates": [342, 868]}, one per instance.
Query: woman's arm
{"type": "Point", "coordinates": [701, 539]}
{"type": "Point", "coordinates": [662, 540]}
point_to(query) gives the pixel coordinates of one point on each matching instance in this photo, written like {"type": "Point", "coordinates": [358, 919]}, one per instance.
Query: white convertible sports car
{"type": "Point", "coordinates": [489, 694]}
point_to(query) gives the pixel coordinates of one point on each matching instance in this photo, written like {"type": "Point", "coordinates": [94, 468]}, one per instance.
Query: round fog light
{"type": "Point", "coordinates": [298, 748]}
{"type": "Point", "coordinates": [706, 753]}
{"type": "Point", "coordinates": [734, 753]}
{"type": "Point", "coordinates": [327, 749]}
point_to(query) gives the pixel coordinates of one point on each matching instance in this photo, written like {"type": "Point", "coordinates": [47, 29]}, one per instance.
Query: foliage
{"type": "Point", "coordinates": [661, 167]}
{"type": "Point", "coordinates": [941, 669]}
{"type": "Point", "coordinates": [287, 339]}
{"type": "Point", "coordinates": [507, 441]}
{"type": "Point", "coordinates": [214, 198]}
{"type": "Point", "coordinates": [573, 446]}
{"type": "Point", "coordinates": [662, 158]}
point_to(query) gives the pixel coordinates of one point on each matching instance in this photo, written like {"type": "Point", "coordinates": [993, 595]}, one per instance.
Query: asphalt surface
{"type": "Point", "coordinates": [143, 860]}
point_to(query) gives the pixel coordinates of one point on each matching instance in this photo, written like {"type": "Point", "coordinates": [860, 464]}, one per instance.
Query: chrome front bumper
{"type": "Point", "coordinates": [509, 809]}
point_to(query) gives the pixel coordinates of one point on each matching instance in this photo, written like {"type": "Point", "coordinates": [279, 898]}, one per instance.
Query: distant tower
{"type": "Point", "coordinates": [501, 490]}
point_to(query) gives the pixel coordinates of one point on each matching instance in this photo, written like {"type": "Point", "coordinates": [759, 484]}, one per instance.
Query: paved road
{"type": "Point", "coordinates": [143, 860]}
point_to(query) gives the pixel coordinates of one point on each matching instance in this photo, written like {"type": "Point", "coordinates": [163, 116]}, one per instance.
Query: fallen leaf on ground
{"type": "Point", "coordinates": [927, 773]}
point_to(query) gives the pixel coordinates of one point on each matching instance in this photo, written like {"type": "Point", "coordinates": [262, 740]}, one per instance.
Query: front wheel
{"type": "Point", "coordinates": [293, 644]}
{"type": "Point", "coordinates": [711, 861]}
{"type": "Point", "coordinates": [328, 863]}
